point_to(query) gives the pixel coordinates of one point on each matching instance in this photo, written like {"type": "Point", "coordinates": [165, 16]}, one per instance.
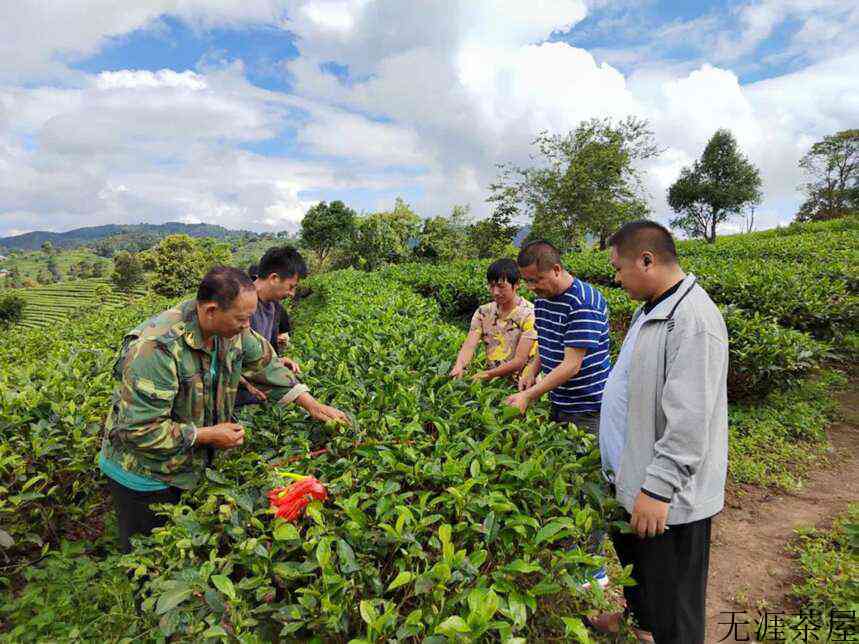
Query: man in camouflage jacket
{"type": "Point", "coordinates": [177, 376]}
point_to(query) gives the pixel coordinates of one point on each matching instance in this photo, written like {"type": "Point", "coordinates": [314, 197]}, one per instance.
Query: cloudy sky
{"type": "Point", "coordinates": [246, 112]}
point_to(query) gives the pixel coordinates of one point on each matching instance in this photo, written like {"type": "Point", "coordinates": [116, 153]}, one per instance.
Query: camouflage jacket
{"type": "Point", "coordinates": [164, 392]}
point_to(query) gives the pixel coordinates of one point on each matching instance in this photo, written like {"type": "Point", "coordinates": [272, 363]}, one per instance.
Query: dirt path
{"type": "Point", "coordinates": [749, 567]}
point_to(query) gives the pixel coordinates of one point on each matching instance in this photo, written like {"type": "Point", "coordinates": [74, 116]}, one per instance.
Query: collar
{"type": "Point", "coordinates": [193, 334]}
{"type": "Point", "coordinates": [668, 302]}
{"type": "Point", "coordinates": [649, 306]}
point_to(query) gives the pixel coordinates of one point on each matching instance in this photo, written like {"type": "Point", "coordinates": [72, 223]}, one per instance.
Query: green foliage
{"type": "Point", "coordinates": [588, 180]}
{"type": "Point", "coordinates": [382, 238]}
{"type": "Point", "coordinates": [71, 595]}
{"type": "Point", "coordinates": [11, 307]}
{"type": "Point", "coordinates": [327, 227]}
{"type": "Point", "coordinates": [444, 238]}
{"type": "Point", "coordinates": [55, 386]}
{"type": "Point", "coordinates": [448, 514]}
{"type": "Point", "coordinates": [829, 576]}
{"type": "Point", "coordinates": [774, 441]}
{"type": "Point", "coordinates": [492, 237]}
{"type": "Point", "coordinates": [127, 271]}
{"type": "Point", "coordinates": [179, 262]}
{"type": "Point", "coordinates": [716, 187]}
{"type": "Point", "coordinates": [832, 167]}
{"type": "Point", "coordinates": [806, 282]}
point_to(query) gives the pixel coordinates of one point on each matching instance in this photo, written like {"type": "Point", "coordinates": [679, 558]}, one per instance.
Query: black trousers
{"type": "Point", "coordinates": [671, 574]}
{"type": "Point", "coordinates": [588, 420]}
{"type": "Point", "coordinates": [133, 512]}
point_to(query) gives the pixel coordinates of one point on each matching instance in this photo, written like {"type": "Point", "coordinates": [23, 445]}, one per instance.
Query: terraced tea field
{"type": "Point", "coordinates": [57, 303]}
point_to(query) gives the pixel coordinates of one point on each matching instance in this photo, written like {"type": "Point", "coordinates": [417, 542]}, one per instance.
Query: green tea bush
{"type": "Point", "coordinates": [11, 307]}
{"type": "Point", "coordinates": [55, 387]}
{"type": "Point", "coordinates": [449, 516]}
{"type": "Point", "coordinates": [763, 355]}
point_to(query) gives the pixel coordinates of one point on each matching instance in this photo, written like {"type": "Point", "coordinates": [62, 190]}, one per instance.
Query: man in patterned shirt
{"type": "Point", "coordinates": [176, 381]}
{"type": "Point", "coordinates": [505, 326]}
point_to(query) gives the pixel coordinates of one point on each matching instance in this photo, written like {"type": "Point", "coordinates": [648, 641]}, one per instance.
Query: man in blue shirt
{"type": "Point", "coordinates": [275, 279]}
{"type": "Point", "coordinates": [572, 340]}
{"type": "Point", "coordinates": [571, 318]}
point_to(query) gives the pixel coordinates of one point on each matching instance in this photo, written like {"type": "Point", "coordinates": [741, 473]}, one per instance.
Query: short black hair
{"type": "Point", "coordinates": [503, 270]}
{"type": "Point", "coordinates": [283, 260]}
{"type": "Point", "coordinates": [541, 252]}
{"type": "Point", "coordinates": [222, 285]}
{"type": "Point", "coordinates": [644, 235]}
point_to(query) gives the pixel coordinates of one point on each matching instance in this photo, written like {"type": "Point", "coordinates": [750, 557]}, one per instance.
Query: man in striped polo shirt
{"type": "Point", "coordinates": [572, 340]}
{"type": "Point", "coordinates": [571, 317]}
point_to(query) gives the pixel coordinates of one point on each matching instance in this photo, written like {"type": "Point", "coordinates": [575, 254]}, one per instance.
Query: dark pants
{"type": "Point", "coordinates": [133, 512]}
{"type": "Point", "coordinates": [671, 574]}
{"type": "Point", "coordinates": [588, 420]}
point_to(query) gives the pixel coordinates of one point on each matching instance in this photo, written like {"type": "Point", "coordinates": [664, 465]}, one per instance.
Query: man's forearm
{"type": "Point", "coordinates": [307, 402]}
{"type": "Point", "coordinates": [512, 366]}
{"type": "Point", "coordinates": [554, 378]}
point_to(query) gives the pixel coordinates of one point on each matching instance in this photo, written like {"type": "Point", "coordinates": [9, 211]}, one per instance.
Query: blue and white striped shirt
{"type": "Point", "coordinates": [578, 317]}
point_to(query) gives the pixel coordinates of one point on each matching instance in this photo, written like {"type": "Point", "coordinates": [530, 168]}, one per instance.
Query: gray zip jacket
{"type": "Point", "coordinates": [677, 436]}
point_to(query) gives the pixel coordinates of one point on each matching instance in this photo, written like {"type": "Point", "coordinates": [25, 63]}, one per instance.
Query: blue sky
{"type": "Point", "coordinates": [245, 113]}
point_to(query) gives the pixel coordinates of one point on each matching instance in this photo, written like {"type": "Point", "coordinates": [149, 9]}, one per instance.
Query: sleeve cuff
{"type": "Point", "coordinates": [658, 497]}
{"type": "Point", "coordinates": [657, 488]}
{"type": "Point", "coordinates": [189, 435]}
{"type": "Point", "coordinates": [293, 393]}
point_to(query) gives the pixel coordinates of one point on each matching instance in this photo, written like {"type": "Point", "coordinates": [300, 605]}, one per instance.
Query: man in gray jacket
{"type": "Point", "coordinates": [664, 435]}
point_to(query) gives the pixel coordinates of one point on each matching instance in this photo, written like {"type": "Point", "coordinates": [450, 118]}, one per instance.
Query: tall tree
{"type": "Point", "coordinates": [127, 271]}
{"type": "Point", "coordinates": [718, 186]}
{"type": "Point", "coordinates": [444, 238]}
{"type": "Point", "coordinates": [179, 263]}
{"type": "Point", "coordinates": [327, 226]}
{"type": "Point", "coordinates": [832, 167]}
{"type": "Point", "coordinates": [383, 237]}
{"type": "Point", "coordinates": [54, 269]}
{"type": "Point", "coordinates": [493, 236]}
{"type": "Point", "coordinates": [588, 180]}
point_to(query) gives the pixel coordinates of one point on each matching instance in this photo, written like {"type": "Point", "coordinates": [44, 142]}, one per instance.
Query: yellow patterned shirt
{"type": "Point", "coordinates": [501, 333]}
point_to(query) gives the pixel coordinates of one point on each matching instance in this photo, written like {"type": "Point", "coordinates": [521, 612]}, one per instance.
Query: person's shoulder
{"type": "Point", "coordinates": [486, 309]}
{"type": "Point", "coordinates": [166, 327]}
{"type": "Point", "coordinates": [698, 312]}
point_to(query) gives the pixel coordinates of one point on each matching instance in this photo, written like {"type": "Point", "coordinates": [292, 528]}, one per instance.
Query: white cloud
{"type": "Point", "coordinates": [34, 34]}
{"type": "Point", "coordinates": [437, 94]}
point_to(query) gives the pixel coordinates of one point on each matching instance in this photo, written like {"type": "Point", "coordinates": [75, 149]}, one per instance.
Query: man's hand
{"type": "Point", "coordinates": [481, 375]}
{"type": "Point", "coordinates": [291, 364]}
{"type": "Point", "coordinates": [457, 371]}
{"type": "Point", "coordinates": [253, 391]}
{"type": "Point", "coordinates": [527, 379]}
{"type": "Point", "coordinates": [325, 413]}
{"type": "Point", "coordinates": [649, 516]}
{"type": "Point", "coordinates": [520, 401]}
{"type": "Point", "coordinates": [222, 436]}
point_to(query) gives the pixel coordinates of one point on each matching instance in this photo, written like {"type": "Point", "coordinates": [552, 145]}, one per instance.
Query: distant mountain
{"type": "Point", "coordinates": [90, 235]}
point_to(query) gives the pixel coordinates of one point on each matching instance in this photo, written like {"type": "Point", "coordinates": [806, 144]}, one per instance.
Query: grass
{"type": "Point", "coordinates": [774, 441]}
{"type": "Point", "coordinates": [828, 588]}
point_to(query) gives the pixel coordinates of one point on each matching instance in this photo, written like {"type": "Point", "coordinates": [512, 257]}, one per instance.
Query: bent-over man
{"type": "Point", "coordinates": [176, 380]}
